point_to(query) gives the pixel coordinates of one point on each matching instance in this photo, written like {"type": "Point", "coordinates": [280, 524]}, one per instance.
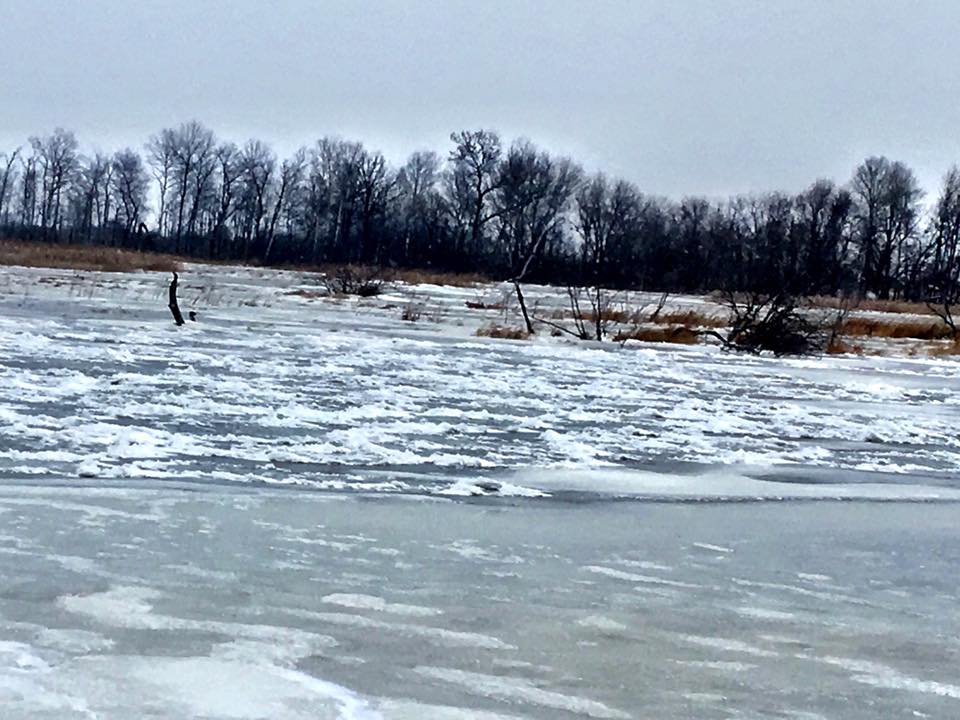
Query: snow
{"type": "Point", "coordinates": [872, 673]}
{"type": "Point", "coordinates": [505, 688]}
{"type": "Point", "coordinates": [307, 509]}
{"type": "Point", "coordinates": [602, 624]}
{"type": "Point", "coordinates": [292, 391]}
{"type": "Point", "coordinates": [372, 602]}
{"type": "Point", "coordinates": [712, 548]}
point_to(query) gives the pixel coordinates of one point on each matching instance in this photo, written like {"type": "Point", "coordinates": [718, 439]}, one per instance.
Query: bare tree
{"type": "Point", "coordinates": [823, 235]}
{"type": "Point", "coordinates": [93, 194]}
{"type": "Point", "coordinates": [131, 184]}
{"type": "Point", "coordinates": [258, 163]}
{"type": "Point", "coordinates": [330, 198]}
{"type": "Point", "coordinates": [943, 293]}
{"type": "Point", "coordinates": [473, 178]}
{"type": "Point", "coordinates": [57, 162]}
{"type": "Point", "coordinates": [420, 207]}
{"type": "Point", "coordinates": [204, 197]}
{"type": "Point", "coordinates": [7, 181]}
{"type": "Point", "coordinates": [28, 192]}
{"type": "Point", "coordinates": [888, 197]}
{"type": "Point", "coordinates": [532, 200]}
{"type": "Point", "coordinates": [291, 176]}
{"type": "Point", "coordinates": [192, 164]}
{"type": "Point", "coordinates": [606, 217]}
{"type": "Point", "coordinates": [374, 185]}
{"type": "Point", "coordinates": [161, 151]}
{"type": "Point", "coordinates": [228, 170]}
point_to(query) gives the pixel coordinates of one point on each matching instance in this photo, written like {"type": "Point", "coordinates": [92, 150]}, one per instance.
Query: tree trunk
{"type": "Point", "coordinates": [173, 305]}
{"type": "Point", "coordinates": [598, 319]}
{"type": "Point", "coordinates": [523, 307]}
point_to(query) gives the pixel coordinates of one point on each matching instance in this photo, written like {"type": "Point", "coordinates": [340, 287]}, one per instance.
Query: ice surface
{"type": "Point", "coordinates": [305, 509]}
{"type": "Point", "coordinates": [511, 689]}
{"type": "Point", "coordinates": [372, 602]}
{"type": "Point", "coordinates": [270, 387]}
{"type": "Point", "coordinates": [241, 603]}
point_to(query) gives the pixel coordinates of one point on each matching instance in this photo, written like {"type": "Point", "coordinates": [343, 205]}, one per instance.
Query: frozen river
{"type": "Point", "coordinates": [308, 509]}
{"type": "Point", "coordinates": [218, 603]}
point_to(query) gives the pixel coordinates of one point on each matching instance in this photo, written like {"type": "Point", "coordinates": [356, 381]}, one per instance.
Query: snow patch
{"type": "Point", "coordinates": [510, 689]}
{"type": "Point", "coordinates": [378, 604]}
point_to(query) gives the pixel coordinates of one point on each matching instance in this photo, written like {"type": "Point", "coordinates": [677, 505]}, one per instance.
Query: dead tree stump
{"type": "Point", "coordinates": [174, 305]}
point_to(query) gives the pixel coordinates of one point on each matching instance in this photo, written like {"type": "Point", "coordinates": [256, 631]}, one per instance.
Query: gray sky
{"type": "Point", "coordinates": [682, 97]}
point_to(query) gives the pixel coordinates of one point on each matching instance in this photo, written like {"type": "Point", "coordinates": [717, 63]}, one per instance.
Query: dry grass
{"type": "Point", "coordinates": [83, 257]}
{"type": "Point", "coordinates": [409, 276]}
{"type": "Point", "coordinates": [502, 332]}
{"type": "Point", "coordinates": [607, 315]}
{"type": "Point", "coordinates": [677, 334]}
{"type": "Point", "coordinates": [611, 315]}
{"type": "Point", "coordinates": [690, 319]}
{"type": "Point", "coordinates": [433, 277]}
{"type": "Point", "coordinates": [872, 305]}
{"type": "Point", "coordinates": [622, 316]}
{"type": "Point", "coordinates": [614, 315]}
{"type": "Point", "coordinates": [896, 328]}
{"type": "Point", "coordinates": [839, 346]}
{"type": "Point", "coordinates": [944, 349]}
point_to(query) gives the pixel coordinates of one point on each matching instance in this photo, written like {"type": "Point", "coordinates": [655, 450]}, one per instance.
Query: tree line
{"type": "Point", "coordinates": [511, 211]}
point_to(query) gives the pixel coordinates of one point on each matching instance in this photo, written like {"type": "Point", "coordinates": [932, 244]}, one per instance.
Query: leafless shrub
{"type": "Point", "coordinates": [502, 332]}
{"type": "Point", "coordinates": [944, 308]}
{"type": "Point", "coordinates": [771, 323]}
{"type": "Point", "coordinates": [575, 313]}
{"type": "Point", "coordinates": [592, 324]}
{"type": "Point", "coordinates": [360, 280]}
{"type": "Point", "coordinates": [411, 312]}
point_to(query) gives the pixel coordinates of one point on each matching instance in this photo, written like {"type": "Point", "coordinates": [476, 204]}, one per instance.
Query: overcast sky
{"type": "Point", "coordinates": [683, 97]}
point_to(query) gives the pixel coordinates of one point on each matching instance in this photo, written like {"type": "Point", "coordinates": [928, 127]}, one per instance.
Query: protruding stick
{"type": "Point", "coordinates": [174, 306]}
